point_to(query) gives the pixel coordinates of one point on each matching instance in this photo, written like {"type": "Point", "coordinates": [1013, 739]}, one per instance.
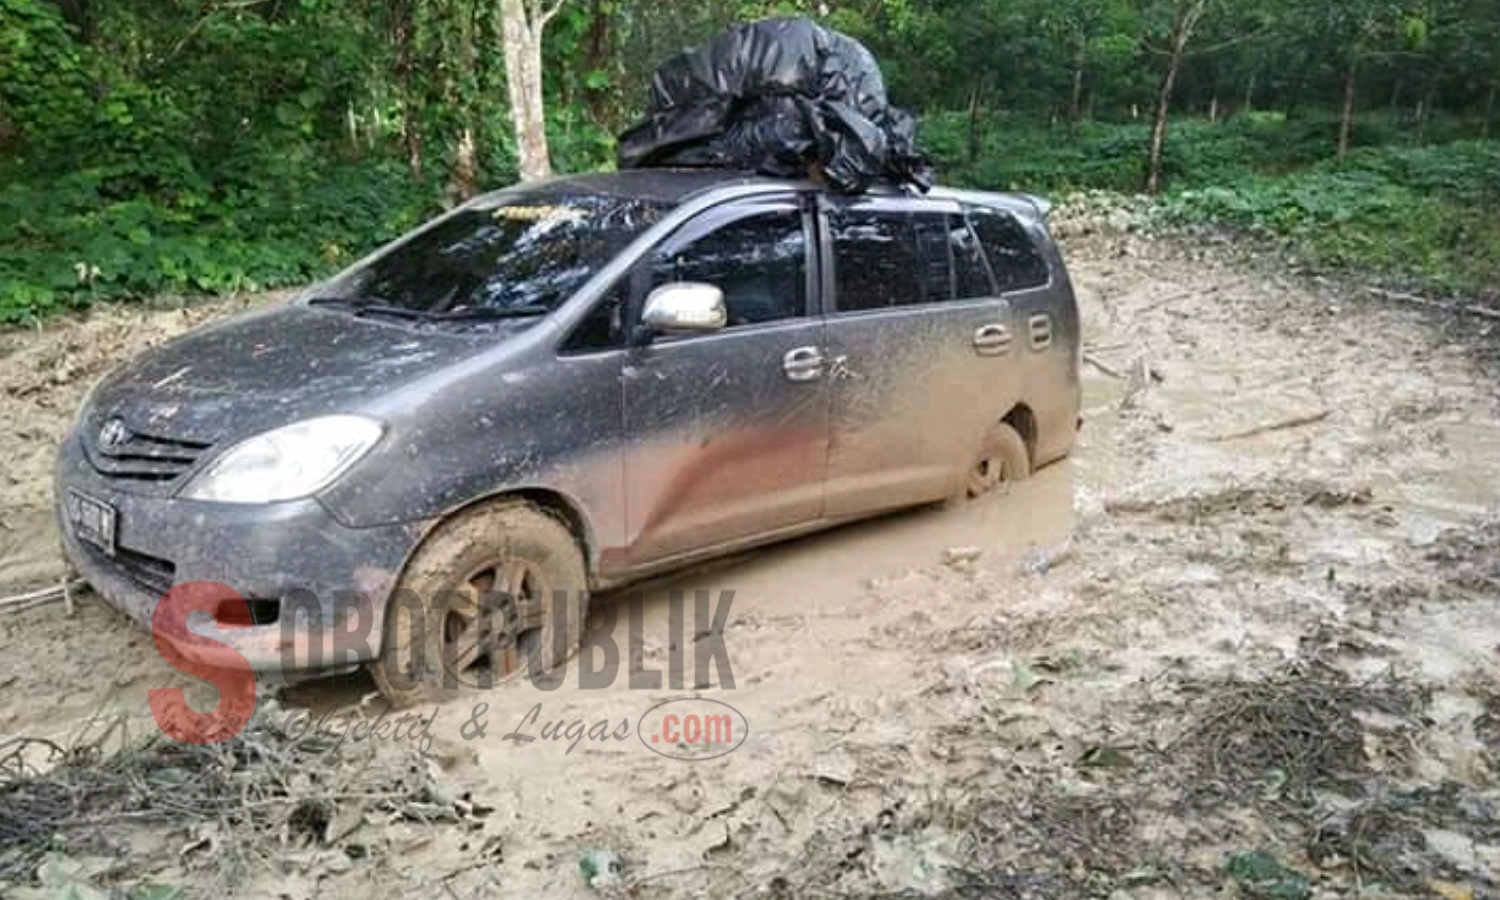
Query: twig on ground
{"type": "Point", "coordinates": [262, 786]}
{"type": "Point", "coordinates": [1107, 370]}
{"type": "Point", "coordinates": [1170, 299]}
{"type": "Point", "coordinates": [1295, 422]}
{"type": "Point", "coordinates": [1472, 309]}
{"type": "Point", "coordinates": [64, 592]}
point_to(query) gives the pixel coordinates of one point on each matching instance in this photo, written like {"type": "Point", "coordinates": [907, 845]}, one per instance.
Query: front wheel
{"type": "Point", "coordinates": [495, 592]}
{"type": "Point", "coordinates": [1003, 458]}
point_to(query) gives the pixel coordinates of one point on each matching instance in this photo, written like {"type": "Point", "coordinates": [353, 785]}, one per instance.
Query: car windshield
{"type": "Point", "coordinates": [524, 253]}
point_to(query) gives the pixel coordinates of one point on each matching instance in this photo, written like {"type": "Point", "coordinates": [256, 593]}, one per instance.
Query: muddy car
{"type": "Point", "coordinates": [428, 463]}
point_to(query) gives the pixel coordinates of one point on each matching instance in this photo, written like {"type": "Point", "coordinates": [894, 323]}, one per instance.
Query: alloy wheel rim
{"type": "Point", "coordinates": [496, 627]}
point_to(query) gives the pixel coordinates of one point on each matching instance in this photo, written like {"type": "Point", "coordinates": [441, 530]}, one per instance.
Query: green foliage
{"type": "Point", "coordinates": [1426, 215]}
{"type": "Point", "coordinates": [66, 242]}
{"type": "Point", "coordinates": [1017, 153]}
{"type": "Point", "coordinates": [43, 85]}
{"type": "Point", "coordinates": [123, 185]}
{"type": "Point", "coordinates": [212, 145]}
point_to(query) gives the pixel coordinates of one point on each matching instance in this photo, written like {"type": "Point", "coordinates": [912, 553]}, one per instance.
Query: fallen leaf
{"type": "Point", "coordinates": [1451, 891]}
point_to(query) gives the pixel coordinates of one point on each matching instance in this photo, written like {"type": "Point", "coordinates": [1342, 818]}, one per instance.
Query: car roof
{"type": "Point", "coordinates": [661, 185]}
{"type": "Point", "coordinates": [675, 186]}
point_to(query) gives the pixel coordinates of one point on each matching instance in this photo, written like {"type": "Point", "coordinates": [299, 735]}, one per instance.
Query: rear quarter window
{"type": "Point", "coordinates": [1013, 255]}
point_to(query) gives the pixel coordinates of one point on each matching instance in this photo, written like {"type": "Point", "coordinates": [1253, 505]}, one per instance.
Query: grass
{"type": "Point", "coordinates": [1420, 209]}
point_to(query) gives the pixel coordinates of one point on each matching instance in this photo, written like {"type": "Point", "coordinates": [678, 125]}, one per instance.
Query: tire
{"type": "Point", "coordinates": [483, 594]}
{"type": "Point", "coordinates": [1003, 458]}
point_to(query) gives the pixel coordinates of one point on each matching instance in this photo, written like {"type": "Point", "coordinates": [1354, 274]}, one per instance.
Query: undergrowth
{"type": "Point", "coordinates": [1423, 215]}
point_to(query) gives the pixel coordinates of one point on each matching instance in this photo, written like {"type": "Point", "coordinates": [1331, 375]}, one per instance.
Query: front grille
{"type": "Point", "coordinates": [152, 573]}
{"type": "Point", "coordinates": [144, 457]}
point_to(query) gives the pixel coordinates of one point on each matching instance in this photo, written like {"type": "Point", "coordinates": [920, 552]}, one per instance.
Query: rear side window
{"type": "Point", "coordinates": [1017, 263]}
{"type": "Point", "coordinates": [902, 258]}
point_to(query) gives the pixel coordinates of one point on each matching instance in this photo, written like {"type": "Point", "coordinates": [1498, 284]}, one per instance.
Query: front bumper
{"type": "Point", "coordinates": [317, 589]}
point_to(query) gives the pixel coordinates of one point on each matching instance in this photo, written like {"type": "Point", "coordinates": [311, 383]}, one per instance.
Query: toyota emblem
{"type": "Point", "coordinates": [114, 434]}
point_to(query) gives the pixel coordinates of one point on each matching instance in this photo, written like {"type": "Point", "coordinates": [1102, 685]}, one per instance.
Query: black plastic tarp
{"type": "Point", "coordinates": [783, 97]}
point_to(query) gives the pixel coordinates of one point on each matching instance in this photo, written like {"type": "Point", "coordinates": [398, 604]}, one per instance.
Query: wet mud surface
{"type": "Point", "coordinates": [1247, 640]}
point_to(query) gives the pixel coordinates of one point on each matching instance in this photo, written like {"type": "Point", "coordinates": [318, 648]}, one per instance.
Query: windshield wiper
{"type": "Point", "coordinates": [364, 308]}
{"type": "Point", "coordinates": [479, 313]}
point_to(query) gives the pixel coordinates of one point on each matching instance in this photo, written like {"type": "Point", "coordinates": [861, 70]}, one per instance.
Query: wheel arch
{"type": "Point", "coordinates": [551, 502]}
{"type": "Point", "coordinates": [1023, 420]}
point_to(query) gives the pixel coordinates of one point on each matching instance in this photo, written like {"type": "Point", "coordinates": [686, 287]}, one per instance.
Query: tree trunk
{"type": "Point", "coordinates": [464, 166]}
{"type": "Point", "coordinates": [521, 30]}
{"type": "Point", "coordinates": [1489, 110]}
{"type": "Point", "coordinates": [1159, 129]}
{"type": "Point", "coordinates": [599, 57]}
{"type": "Point", "coordinates": [78, 14]}
{"type": "Point", "coordinates": [1182, 32]}
{"type": "Point", "coordinates": [463, 177]}
{"type": "Point", "coordinates": [1346, 118]}
{"type": "Point", "coordinates": [975, 135]}
{"type": "Point", "coordinates": [1250, 94]}
{"type": "Point", "coordinates": [403, 36]}
{"type": "Point", "coordinates": [1213, 108]}
{"type": "Point", "coordinates": [1424, 118]}
{"type": "Point", "coordinates": [1075, 106]}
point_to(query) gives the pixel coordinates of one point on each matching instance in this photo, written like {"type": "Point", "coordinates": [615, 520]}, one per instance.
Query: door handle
{"type": "Point", "coordinates": [992, 340]}
{"type": "Point", "coordinates": [803, 364]}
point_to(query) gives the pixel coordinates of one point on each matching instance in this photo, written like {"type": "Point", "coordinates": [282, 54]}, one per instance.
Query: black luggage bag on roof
{"type": "Point", "coordinates": [782, 97]}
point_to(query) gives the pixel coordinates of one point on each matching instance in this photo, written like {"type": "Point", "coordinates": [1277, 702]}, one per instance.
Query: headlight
{"type": "Point", "coordinates": [286, 464]}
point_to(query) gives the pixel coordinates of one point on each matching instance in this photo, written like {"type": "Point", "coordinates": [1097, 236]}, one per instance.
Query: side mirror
{"type": "Point", "coordinates": [684, 307]}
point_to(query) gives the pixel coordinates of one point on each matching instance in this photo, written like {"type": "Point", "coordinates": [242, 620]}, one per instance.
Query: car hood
{"type": "Point", "coordinates": [266, 369]}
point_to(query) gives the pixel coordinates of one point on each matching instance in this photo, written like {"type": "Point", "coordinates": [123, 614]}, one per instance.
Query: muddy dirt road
{"type": "Point", "coordinates": [1263, 653]}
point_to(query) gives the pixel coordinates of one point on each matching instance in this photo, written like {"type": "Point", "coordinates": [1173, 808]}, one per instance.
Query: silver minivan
{"type": "Point", "coordinates": [427, 463]}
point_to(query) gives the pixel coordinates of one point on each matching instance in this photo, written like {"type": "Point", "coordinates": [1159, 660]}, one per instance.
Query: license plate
{"type": "Point", "coordinates": [92, 520]}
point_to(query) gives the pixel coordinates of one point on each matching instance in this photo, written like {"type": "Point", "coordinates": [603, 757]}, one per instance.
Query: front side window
{"type": "Point", "coordinates": [604, 327]}
{"type": "Point", "coordinates": [759, 262]}
{"type": "Point", "coordinates": [524, 253]}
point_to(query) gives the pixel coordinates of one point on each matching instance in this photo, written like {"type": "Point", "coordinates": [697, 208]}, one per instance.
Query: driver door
{"type": "Point", "coordinates": [728, 431]}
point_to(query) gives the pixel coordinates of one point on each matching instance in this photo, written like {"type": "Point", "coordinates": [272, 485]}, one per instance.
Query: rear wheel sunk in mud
{"type": "Point", "coordinates": [495, 593]}
{"type": "Point", "coordinates": [1003, 458]}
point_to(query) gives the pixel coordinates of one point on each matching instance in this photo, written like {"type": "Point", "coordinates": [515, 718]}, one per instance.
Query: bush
{"type": "Point", "coordinates": [1420, 213]}
{"type": "Point", "coordinates": [1424, 214]}
{"type": "Point", "coordinates": [69, 240]}
{"type": "Point", "coordinates": [113, 185]}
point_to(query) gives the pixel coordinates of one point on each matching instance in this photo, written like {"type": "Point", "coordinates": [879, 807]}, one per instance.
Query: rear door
{"type": "Point", "coordinates": [728, 432]}
{"type": "Point", "coordinates": [921, 349]}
